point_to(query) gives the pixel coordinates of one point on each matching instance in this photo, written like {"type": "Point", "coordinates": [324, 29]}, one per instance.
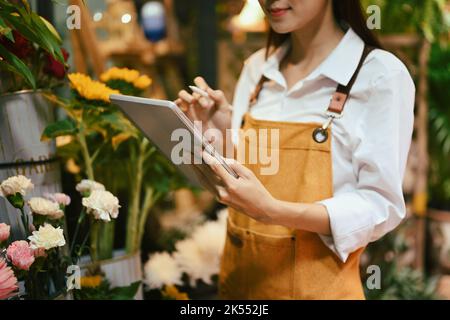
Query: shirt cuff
{"type": "Point", "coordinates": [350, 230]}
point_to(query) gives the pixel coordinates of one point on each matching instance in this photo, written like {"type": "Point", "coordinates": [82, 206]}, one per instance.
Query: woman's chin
{"type": "Point", "coordinates": [282, 29]}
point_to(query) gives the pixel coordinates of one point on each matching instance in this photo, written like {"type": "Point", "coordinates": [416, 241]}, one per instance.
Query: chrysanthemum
{"type": "Point", "coordinates": [194, 263]}
{"type": "Point", "coordinates": [160, 270]}
{"type": "Point", "coordinates": [210, 239]}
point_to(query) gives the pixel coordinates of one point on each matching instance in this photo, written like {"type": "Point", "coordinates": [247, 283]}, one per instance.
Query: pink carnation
{"type": "Point", "coordinates": [8, 282]}
{"type": "Point", "coordinates": [4, 232]}
{"type": "Point", "coordinates": [59, 198]}
{"type": "Point", "coordinates": [20, 254]}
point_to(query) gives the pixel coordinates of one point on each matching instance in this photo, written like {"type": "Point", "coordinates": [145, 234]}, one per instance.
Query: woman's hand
{"type": "Point", "coordinates": [246, 194]}
{"type": "Point", "coordinates": [213, 112]}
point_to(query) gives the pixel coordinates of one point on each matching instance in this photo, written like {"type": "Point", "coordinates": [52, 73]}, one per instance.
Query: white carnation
{"type": "Point", "coordinates": [47, 237]}
{"type": "Point", "coordinates": [160, 270]}
{"type": "Point", "coordinates": [17, 184]}
{"type": "Point", "coordinates": [102, 204]}
{"type": "Point", "coordinates": [87, 186]}
{"type": "Point", "coordinates": [45, 207]}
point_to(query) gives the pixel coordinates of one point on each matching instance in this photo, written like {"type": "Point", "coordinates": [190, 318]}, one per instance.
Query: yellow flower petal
{"type": "Point", "coordinates": [90, 281]}
{"type": "Point", "coordinates": [90, 89]}
{"type": "Point", "coordinates": [172, 292]}
{"type": "Point", "coordinates": [128, 75]}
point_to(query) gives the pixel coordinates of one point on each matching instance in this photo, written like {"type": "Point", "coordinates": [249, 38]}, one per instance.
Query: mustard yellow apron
{"type": "Point", "coordinates": [262, 261]}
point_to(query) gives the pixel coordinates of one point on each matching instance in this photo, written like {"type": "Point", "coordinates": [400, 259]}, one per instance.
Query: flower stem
{"type": "Point", "coordinates": [136, 175]}
{"type": "Point", "coordinates": [85, 152]}
{"type": "Point", "coordinates": [25, 222]}
{"type": "Point", "coordinates": [80, 249]}
{"type": "Point", "coordinates": [150, 198]}
{"type": "Point", "coordinates": [94, 239]}
{"type": "Point", "coordinates": [77, 229]}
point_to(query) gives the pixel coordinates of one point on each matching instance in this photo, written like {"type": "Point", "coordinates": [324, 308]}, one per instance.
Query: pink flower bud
{"type": "Point", "coordinates": [4, 232]}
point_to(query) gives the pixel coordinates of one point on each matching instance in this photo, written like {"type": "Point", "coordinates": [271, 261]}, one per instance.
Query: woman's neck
{"type": "Point", "coordinates": [310, 46]}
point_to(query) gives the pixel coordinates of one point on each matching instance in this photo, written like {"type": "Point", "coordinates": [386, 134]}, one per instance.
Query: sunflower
{"type": "Point", "coordinates": [90, 89]}
{"type": "Point", "coordinates": [91, 281]}
{"type": "Point", "coordinates": [128, 75]}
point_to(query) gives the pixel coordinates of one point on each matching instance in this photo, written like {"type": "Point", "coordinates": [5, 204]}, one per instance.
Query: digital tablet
{"type": "Point", "coordinates": [159, 120]}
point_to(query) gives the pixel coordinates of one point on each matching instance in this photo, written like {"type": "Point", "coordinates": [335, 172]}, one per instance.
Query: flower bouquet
{"type": "Point", "coordinates": [39, 259]}
{"type": "Point", "coordinates": [42, 259]}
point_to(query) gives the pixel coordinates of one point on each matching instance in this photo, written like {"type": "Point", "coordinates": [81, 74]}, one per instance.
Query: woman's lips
{"type": "Point", "coordinates": [278, 12]}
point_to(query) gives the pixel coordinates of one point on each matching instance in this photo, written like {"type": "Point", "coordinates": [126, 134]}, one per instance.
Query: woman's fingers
{"type": "Point", "coordinates": [201, 83]}
{"type": "Point", "coordinates": [241, 170]}
{"type": "Point", "coordinates": [183, 105]}
{"type": "Point", "coordinates": [203, 101]}
{"type": "Point", "coordinates": [184, 95]}
{"type": "Point", "coordinates": [217, 95]}
{"type": "Point", "coordinates": [218, 169]}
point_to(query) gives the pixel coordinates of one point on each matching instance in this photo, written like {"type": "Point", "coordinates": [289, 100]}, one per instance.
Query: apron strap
{"type": "Point", "coordinates": [341, 94]}
{"type": "Point", "coordinates": [339, 97]}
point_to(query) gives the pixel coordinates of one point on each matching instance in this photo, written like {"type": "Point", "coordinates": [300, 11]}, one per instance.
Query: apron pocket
{"type": "Point", "coordinates": [264, 264]}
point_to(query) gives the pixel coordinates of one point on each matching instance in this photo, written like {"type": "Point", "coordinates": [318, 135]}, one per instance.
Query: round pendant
{"type": "Point", "coordinates": [320, 135]}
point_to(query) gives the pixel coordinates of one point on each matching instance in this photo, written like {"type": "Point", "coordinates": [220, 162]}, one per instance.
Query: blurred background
{"type": "Point", "coordinates": [172, 41]}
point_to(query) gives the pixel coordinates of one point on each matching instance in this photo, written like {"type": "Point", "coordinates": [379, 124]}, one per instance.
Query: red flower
{"type": "Point", "coordinates": [54, 67]}
{"type": "Point", "coordinates": [21, 47]}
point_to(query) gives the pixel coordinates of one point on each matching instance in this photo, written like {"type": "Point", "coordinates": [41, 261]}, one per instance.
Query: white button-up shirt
{"type": "Point", "coordinates": [370, 142]}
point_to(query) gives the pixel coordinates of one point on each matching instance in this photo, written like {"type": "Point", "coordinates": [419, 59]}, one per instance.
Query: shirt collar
{"type": "Point", "coordinates": [338, 66]}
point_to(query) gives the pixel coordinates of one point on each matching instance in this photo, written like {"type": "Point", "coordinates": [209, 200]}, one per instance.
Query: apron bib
{"type": "Point", "coordinates": [263, 261]}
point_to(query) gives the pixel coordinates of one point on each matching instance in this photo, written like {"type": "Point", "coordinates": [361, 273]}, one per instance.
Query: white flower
{"type": "Point", "coordinates": [17, 184]}
{"type": "Point", "coordinates": [60, 198]}
{"type": "Point", "coordinates": [161, 269]}
{"type": "Point", "coordinates": [102, 204]}
{"type": "Point", "coordinates": [87, 186]}
{"type": "Point", "coordinates": [45, 207]}
{"type": "Point", "coordinates": [222, 216]}
{"type": "Point", "coordinates": [199, 256]}
{"type": "Point", "coordinates": [47, 237]}
{"type": "Point", "coordinates": [191, 261]}
{"type": "Point", "coordinates": [210, 239]}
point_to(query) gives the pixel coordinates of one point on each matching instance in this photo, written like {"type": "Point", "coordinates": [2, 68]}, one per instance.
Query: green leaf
{"type": "Point", "coordinates": [5, 30]}
{"type": "Point", "coordinates": [16, 200]}
{"type": "Point", "coordinates": [60, 128]}
{"type": "Point", "coordinates": [125, 293]}
{"type": "Point", "coordinates": [17, 66]}
{"type": "Point", "coordinates": [31, 26]}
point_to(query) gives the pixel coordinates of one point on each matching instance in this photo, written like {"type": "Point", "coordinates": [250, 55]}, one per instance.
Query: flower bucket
{"type": "Point", "coordinates": [121, 270]}
{"type": "Point", "coordinates": [23, 117]}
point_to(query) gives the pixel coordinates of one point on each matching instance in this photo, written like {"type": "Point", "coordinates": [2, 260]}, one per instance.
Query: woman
{"type": "Point", "coordinates": [343, 110]}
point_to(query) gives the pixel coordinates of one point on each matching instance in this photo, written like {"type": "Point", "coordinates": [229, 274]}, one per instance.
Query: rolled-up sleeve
{"type": "Point", "coordinates": [380, 147]}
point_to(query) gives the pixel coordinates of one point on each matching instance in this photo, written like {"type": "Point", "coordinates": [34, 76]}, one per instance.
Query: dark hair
{"type": "Point", "coordinates": [346, 12]}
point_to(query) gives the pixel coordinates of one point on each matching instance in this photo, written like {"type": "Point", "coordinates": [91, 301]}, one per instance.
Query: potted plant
{"type": "Point", "coordinates": [32, 62]}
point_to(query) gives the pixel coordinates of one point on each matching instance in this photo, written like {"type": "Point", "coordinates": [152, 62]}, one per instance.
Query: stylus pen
{"type": "Point", "coordinates": [201, 92]}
